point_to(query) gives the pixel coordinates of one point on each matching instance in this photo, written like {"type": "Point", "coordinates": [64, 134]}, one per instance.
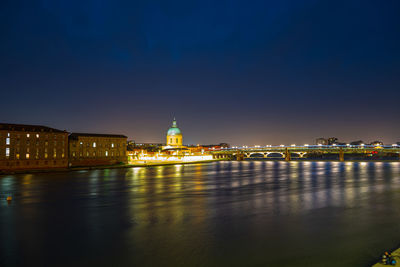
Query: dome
{"type": "Point", "coordinates": [174, 130]}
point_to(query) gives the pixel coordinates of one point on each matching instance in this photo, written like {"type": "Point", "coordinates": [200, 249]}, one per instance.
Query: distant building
{"type": "Point", "coordinates": [25, 147]}
{"type": "Point", "coordinates": [175, 141]}
{"type": "Point", "coordinates": [206, 148]}
{"type": "Point", "coordinates": [327, 141]}
{"type": "Point", "coordinates": [376, 143]}
{"type": "Point", "coordinates": [149, 147]}
{"type": "Point", "coordinates": [86, 149]}
{"type": "Point", "coordinates": [174, 136]}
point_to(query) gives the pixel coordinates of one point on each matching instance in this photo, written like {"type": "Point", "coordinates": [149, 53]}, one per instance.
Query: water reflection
{"type": "Point", "coordinates": [205, 214]}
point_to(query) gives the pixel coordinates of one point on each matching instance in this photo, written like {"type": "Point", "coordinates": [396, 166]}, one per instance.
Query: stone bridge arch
{"type": "Point", "coordinates": [275, 155]}
{"type": "Point", "coordinates": [256, 155]}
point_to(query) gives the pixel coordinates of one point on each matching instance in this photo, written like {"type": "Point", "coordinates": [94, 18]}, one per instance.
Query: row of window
{"type": "Point", "coordinates": [46, 143]}
{"type": "Point", "coordinates": [34, 135]}
{"type": "Point", "coordinates": [88, 154]}
{"type": "Point", "coordinates": [35, 154]}
{"type": "Point", "coordinates": [94, 144]}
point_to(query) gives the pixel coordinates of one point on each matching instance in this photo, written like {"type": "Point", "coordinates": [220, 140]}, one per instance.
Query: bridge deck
{"type": "Point", "coordinates": [310, 149]}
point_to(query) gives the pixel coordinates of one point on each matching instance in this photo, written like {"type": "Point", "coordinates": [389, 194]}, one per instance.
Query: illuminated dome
{"type": "Point", "coordinates": [174, 136]}
{"type": "Point", "coordinates": [174, 130]}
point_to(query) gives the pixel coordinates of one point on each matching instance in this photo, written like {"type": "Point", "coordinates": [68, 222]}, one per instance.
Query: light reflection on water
{"type": "Point", "coordinates": [223, 213]}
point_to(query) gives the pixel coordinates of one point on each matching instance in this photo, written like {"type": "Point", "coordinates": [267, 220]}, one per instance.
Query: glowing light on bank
{"type": "Point", "coordinates": [165, 158]}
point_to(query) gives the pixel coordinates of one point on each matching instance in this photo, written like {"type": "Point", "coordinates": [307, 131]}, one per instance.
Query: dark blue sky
{"type": "Point", "coordinates": [243, 72]}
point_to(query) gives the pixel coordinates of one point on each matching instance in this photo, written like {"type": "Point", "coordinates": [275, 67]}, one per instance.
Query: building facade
{"type": "Point", "coordinates": [24, 147]}
{"type": "Point", "coordinates": [86, 149]}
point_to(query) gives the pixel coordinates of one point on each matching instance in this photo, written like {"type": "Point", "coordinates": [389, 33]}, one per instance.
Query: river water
{"type": "Point", "coordinates": [249, 213]}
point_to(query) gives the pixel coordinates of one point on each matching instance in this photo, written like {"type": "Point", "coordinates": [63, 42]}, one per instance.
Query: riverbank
{"type": "Point", "coordinates": [395, 254]}
{"type": "Point", "coordinates": [102, 167]}
{"type": "Point", "coordinates": [151, 164]}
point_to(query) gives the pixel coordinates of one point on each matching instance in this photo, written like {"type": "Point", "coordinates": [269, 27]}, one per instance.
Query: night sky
{"type": "Point", "coordinates": [242, 72]}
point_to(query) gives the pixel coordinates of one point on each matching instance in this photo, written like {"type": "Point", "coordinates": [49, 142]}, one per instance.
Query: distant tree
{"type": "Point", "coordinates": [224, 145]}
{"type": "Point", "coordinates": [357, 143]}
{"type": "Point", "coordinates": [332, 140]}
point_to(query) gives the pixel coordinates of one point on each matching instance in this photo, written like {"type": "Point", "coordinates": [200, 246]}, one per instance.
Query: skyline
{"type": "Point", "coordinates": [313, 142]}
{"type": "Point", "coordinates": [259, 73]}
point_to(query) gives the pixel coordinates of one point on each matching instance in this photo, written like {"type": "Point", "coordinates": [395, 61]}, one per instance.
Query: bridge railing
{"type": "Point", "coordinates": [309, 147]}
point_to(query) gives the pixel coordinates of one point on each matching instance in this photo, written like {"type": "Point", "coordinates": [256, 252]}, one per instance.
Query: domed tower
{"type": "Point", "coordinates": [174, 136]}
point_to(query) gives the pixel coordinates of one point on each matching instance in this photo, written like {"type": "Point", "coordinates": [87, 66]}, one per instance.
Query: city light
{"type": "Point", "coordinates": [306, 145]}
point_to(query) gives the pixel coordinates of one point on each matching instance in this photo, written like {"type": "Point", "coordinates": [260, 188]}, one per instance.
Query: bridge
{"type": "Point", "coordinates": [290, 152]}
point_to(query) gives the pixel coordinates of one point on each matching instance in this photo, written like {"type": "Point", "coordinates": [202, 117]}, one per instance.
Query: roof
{"type": "Point", "coordinates": [76, 135]}
{"type": "Point", "coordinates": [28, 128]}
{"type": "Point", "coordinates": [175, 148]}
{"type": "Point", "coordinates": [174, 130]}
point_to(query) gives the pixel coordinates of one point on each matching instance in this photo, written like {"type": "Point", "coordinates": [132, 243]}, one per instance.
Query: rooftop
{"type": "Point", "coordinates": [28, 128]}
{"type": "Point", "coordinates": [76, 135]}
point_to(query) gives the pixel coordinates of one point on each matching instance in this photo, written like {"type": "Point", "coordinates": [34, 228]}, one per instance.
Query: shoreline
{"type": "Point", "coordinates": [103, 167]}
{"type": "Point", "coordinates": [395, 253]}
{"type": "Point", "coordinates": [155, 164]}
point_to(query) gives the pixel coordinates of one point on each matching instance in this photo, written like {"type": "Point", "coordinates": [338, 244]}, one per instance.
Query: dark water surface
{"type": "Point", "coordinates": [217, 214]}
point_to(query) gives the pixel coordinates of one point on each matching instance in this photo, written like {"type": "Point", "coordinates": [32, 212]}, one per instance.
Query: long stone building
{"type": "Point", "coordinates": [24, 147]}
{"type": "Point", "coordinates": [86, 149]}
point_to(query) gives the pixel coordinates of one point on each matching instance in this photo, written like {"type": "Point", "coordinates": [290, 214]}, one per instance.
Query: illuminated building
{"type": "Point", "coordinates": [25, 147]}
{"type": "Point", "coordinates": [174, 136]}
{"type": "Point", "coordinates": [175, 141]}
{"type": "Point", "coordinates": [86, 149]}
{"type": "Point", "coordinates": [174, 151]}
{"type": "Point", "coordinates": [376, 143]}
